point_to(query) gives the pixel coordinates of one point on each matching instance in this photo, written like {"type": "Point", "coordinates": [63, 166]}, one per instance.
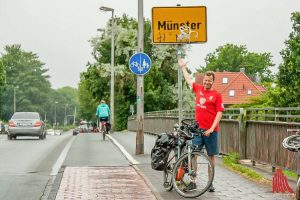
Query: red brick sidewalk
{"type": "Point", "coordinates": [103, 183]}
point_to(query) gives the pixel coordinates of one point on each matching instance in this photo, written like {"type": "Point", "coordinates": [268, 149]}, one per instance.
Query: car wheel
{"type": "Point", "coordinates": [45, 135]}
{"type": "Point", "coordinates": [41, 137]}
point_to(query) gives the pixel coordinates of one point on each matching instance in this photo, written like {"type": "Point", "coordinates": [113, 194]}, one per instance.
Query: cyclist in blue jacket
{"type": "Point", "coordinates": [102, 113]}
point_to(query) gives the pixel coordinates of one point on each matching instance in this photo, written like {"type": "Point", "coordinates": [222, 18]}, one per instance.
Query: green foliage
{"type": "Point", "coordinates": [232, 158]}
{"type": "Point", "coordinates": [289, 70]}
{"type": "Point", "coordinates": [26, 76]}
{"type": "Point", "coordinates": [67, 101]}
{"type": "Point", "coordinates": [290, 174]}
{"type": "Point", "coordinates": [232, 57]}
{"type": "Point", "coordinates": [231, 161]}
{"type": "Point", "coordinates": [159, 83]}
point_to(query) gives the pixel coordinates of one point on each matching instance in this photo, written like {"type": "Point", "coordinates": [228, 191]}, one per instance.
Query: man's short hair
{"type": "Point", "coordinates": [210, 73]}
{"type": "Point", "coordinates": [102, 101]}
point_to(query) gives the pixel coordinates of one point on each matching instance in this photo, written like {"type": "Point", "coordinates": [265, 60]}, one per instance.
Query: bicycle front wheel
{"type": "Point", "coordinates": [193, 174]}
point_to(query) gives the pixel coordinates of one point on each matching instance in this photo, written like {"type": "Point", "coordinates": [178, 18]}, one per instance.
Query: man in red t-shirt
{"type": "Point", "coordinates": [209, 108]}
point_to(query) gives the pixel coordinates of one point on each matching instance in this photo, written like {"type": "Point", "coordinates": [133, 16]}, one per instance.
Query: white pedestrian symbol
{"type": "Point", "coordinates": [141, 67]}
{"type": "Point", "coordinates": [140, 63]}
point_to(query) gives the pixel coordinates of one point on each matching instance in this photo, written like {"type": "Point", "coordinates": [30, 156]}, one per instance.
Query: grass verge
{"type": "Point", "coordinates": [290, 174]}
{"type": "Point", "coordinates": [231, 162]}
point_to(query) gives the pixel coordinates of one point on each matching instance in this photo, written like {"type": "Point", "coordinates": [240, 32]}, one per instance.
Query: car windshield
{"type": "Point", "coordinates": [25, 115]}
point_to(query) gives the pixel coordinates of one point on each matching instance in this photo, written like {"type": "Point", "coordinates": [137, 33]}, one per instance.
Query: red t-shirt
{"type": "Point", "coordinates": [208, 103]}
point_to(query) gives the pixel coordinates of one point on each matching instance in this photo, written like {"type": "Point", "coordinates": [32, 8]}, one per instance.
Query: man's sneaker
{"type": "Point", "coordinates": [211, 188]}
{"type": "Point", "coordinates": [192, 186]}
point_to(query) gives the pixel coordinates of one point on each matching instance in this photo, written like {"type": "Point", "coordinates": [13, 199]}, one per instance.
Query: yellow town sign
{"type": "Point", "coordinates": [179, 24]}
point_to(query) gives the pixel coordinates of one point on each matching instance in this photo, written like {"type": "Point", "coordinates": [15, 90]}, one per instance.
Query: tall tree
{"type": "Point", "coordinates": [232, 58]}
{"type": "Point", "coordinates": [67, 102]}
{"type": "Point", "coordinates": [26, 78]}
{"type": "Point", "coordinates": [289, 70]}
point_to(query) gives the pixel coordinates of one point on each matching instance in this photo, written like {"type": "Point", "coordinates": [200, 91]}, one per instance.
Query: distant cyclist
{"type": "Point", "coordinates": [102, 113]}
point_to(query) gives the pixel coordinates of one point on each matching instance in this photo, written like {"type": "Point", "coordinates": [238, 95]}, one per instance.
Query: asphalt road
{"type": "Point", "coordinates": [26, 165]}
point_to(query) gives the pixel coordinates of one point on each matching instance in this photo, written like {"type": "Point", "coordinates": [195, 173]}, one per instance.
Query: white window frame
{"type": "Point", "coordinates": [225, 80]}
{"type": "Point", "coordinates": [249, 92]}
{"type": "Point", "coordinates": [231, 93]}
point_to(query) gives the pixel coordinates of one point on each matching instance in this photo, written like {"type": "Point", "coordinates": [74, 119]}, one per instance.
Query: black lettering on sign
{"type": "Point", "coordinates": [169, 25]}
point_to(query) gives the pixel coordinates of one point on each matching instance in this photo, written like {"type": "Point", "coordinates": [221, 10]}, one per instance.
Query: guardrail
{"type": "Point", "coordinates": [255, 133]}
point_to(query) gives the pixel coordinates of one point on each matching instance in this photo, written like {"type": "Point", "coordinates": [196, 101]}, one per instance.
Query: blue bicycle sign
{"type": "Point", "coordinates": [140, 63]}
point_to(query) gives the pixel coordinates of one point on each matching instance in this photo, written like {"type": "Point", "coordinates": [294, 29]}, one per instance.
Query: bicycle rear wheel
{"type": "Point", "coordinates": [292, 143]}
{"type": "Point", "coordinates": [168, 170]}
{"type": "Point", "coordinates": [104, 132]}
{"type": "Point", "coordinates": [196, 181]}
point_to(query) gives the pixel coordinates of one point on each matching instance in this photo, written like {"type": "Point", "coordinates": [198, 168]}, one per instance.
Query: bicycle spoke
{"type": "Point", "coordinates": [195, 181]}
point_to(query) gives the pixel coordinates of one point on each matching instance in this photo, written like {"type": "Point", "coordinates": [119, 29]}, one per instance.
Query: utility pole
{"type": "Point", "coordinates": [140, 86]}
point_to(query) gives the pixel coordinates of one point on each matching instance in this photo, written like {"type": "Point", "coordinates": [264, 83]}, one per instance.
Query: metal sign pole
{"type": "Point", "coordinates": [179, 54]}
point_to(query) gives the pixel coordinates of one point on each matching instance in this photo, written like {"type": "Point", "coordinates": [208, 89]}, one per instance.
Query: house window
{"type": "Point", "coordinates": [231, 93]}
{"type": "Point", "coordinates": [249, 92]}
{"type": "Point", "coordinates": [225, 80]}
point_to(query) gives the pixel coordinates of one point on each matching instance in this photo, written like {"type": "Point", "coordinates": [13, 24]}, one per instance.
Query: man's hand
{"type": "Point", "coordinates": [208, 132]}
{"type": "Point", "coordinates": [182, 63]}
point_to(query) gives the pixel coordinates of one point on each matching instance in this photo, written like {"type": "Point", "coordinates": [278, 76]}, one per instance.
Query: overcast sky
{"type": "Point", "coordinates": [59, 30]}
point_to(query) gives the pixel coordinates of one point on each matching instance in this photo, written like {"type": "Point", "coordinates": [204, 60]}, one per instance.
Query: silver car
{"type": "Point", "coordinates": [26, 124]}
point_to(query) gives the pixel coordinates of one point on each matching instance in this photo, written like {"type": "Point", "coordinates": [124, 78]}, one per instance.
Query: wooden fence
{"type": "Point", "coordinates": [256, 134]}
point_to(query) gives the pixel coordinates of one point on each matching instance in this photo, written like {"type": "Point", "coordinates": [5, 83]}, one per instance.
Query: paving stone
{"type": "Point", "coordinates": [103, 183]}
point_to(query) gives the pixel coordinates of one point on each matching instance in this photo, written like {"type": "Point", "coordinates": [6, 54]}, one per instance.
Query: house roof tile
{"type": "Point", "coordinates": [238, 82]}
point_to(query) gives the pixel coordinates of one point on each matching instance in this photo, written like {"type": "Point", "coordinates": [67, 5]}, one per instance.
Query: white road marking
{"type": "Point", "coordinates": [122, 149]}
{"type": "Point", "coordinates": [61, 158]}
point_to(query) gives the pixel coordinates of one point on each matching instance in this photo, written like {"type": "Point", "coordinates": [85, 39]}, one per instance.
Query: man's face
{"type": "Point", "coordinates": [208, 82]}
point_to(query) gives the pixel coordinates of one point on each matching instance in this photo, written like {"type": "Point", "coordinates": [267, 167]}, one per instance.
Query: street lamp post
{"type": "Point", "coordinates": [112, 74]}
{"type": "Point", "coordinates": [74, 115]}
{"type": "Point", "coordinates": [55, 113]}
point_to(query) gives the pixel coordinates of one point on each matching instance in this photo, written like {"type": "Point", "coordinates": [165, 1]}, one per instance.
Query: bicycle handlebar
{"type": "Point", "coordinates": [188, 127]}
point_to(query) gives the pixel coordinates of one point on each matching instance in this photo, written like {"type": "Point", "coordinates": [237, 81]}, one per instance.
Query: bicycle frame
{"type": "Point", "coordinates": [182, 146]}
{"type": "Point", "coordinates": [103, 129]}
{"type": "Point", "coordinates": [183, 163]}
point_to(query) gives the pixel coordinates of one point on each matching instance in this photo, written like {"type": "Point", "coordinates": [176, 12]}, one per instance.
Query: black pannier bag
{"type": "Point", "coordinates": [159, 153]}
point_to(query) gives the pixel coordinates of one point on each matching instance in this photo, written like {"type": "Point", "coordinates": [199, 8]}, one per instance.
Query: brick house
{"type": "Point", "coordinates": [235, 87]}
